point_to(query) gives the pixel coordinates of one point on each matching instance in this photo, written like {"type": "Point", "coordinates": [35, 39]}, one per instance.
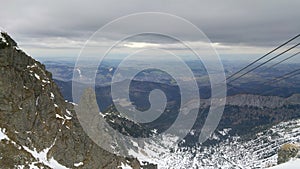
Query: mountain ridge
{"type": "Point", "coordinates": [40, 129]}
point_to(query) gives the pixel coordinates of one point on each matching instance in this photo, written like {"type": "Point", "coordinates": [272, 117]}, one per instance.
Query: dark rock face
{"type": "Point", "coordinates": [35, 117]}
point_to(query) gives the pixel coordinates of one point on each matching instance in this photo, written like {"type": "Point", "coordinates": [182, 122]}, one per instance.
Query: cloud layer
{"type": "Point", "coordinates": [228, 23]}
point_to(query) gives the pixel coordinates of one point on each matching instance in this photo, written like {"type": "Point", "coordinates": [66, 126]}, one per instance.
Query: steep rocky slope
{"type": "Point", "coordinates": [39, 129]}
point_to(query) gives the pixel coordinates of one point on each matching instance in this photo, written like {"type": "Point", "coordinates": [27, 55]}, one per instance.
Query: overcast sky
{"type": "Point", "coordinates": [60, 28]}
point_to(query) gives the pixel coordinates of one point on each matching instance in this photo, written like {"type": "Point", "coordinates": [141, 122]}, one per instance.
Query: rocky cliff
{"type": "Point", "coordinates": [39, 129]}
{"type": "Point", "coordinates": [287, 151]}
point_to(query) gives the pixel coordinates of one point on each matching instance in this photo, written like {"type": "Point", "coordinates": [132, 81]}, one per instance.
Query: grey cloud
{"type": "Point", "coordinates": [253, 23]}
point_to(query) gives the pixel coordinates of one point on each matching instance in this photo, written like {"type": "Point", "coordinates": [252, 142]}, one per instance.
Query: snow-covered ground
{"type": "Point", "coordinates": [260, 152]}
{"type": "Point", "coordinates": [293, 164]}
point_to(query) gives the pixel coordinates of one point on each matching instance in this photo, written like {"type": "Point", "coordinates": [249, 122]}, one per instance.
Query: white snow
{"type": "Point", "coordinates": [42, 157]}
{"type": "Point", "coordinates": [32, 66]}
{"type": "Point", "coordinates": [260, 152]}
{"type": "Point", "coordinates": [37, 76]}
{"type": "Point", "coordinates": [155, 151]}
{"type": "Point", "coordinates": [45, 81]}
{"type": "Point", "coordinates": [3, 135]}
{"type": "Point", "coordinates": [154, 131]}
{"type": "Point", "coordinates": [3, 39]}
{"type": "Point", "coordinates": [59, 116]}
{"type": "Point", "coordinates": [135, 144]}
{"type": "Point", "coordinates": [18, 48]}
{"type": "Point", "coordinates": [20, 166]}
{"type": "Point", "coordinates": [78, 164]}
{"type": "Point", "coordinates": [33, 166]}
{"type": "Point", "coordinates": [69, 113]}
{"type": "Point", "coordinates": [293, 164]}
{"type": "Point", "coordinates": [52, 96]}
{"type": "Point", "coordinates": [192, 132]}
{"type": "Point", "coordinates": [64, 117]}
{"type": "Point", "coordinates": [68, 117]}
{"type": "Point", "coordinates": [125, 166]}
{"type": "Point", "coordinates": [74, 104]}
{"type": "Point", "coordinates": [37, 101]}
{"type": "Point", "coordinates": [103, 115]}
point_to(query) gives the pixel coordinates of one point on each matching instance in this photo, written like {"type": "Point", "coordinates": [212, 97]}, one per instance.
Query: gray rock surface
{"type": "Point", "coordinates": [35, 117]}
{"type": "Point", "coordinates": [286, 152]}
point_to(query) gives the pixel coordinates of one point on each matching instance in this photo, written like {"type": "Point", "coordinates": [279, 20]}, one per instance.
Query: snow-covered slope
{"type": "Point", "coordinates": [259, 152]}
{"type": "Point", "coordinates": [293, 164]}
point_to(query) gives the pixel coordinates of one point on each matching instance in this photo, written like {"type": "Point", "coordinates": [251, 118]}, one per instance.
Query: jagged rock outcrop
{"type": "Point", "coordinates": [40, 128]}
{"type": "Point", "coordinates": [286, 152]}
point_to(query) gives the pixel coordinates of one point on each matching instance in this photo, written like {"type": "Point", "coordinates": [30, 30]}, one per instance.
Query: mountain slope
{"type": "Point", "coordinates": [39, 129]}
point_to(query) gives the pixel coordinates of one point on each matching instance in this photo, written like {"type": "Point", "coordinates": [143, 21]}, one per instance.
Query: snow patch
{"type": "Point", "coordinates": [52, 96]}
{"type": "Point", "coordinates": [59, 116]}
{"type": "Point", "coordinates": [46, 81]}
{"type": "Point", "coordinates": [68, 117]}
{"type": "Point", "coordinates": [154, 131]}
{"type": "Point", "coordinates": [37, 76]}
{"type": "Point", "coordinates": [37, 101]}
{"type": "Point", "coordinates": [18, 48]}
{"type": "Point", "coordinates": [3, 135]}
{"type": "Point", "coordinates": [292, 164]}
{"type": "Point", "coordinates": [74, 104]}
{"type": "Point", "coordinates": [78, 164]}
{"type": "Point", "coordinates": [69, 113]}
{"type": "Point", "coordinates": [33, 166]}
{"type": "Point", "coordinates": [42, 157]}
{"type": "Point", "coordinates": [125, 166]}
{"type": "Point", "coordinates": [103, 115]}
{"type": "Point", "coordinates": [192, 132]}
{"type": "Point", "coordinates": [3, 39]}
{"type": "Point", "coordinates": [32, 66]}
